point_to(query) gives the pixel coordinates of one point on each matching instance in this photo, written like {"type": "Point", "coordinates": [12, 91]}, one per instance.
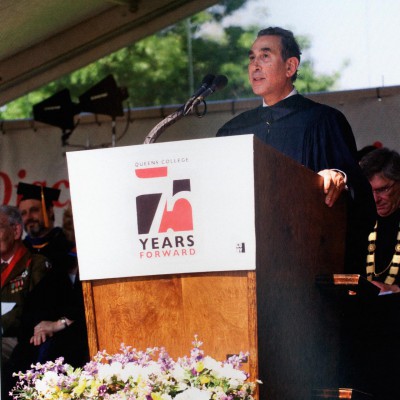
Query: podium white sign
{"type": "Point", "coordinates": [164, 208]}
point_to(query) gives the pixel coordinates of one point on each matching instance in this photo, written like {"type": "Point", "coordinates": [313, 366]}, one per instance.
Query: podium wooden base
{"type": "Point", "coordinates": [169, 310]}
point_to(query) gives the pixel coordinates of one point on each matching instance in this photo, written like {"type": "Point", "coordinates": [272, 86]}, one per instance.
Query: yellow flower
{"type": "Point", "coordinates": [94, 387]}
{"type": "Point", "coordinates": [80, 388]}
{"type": "Point", "coordinates": [204, 379]}
{"type": "Point", "coordinates": [199, 366]}
{"type": "Point", "coordinates": [156, 396]}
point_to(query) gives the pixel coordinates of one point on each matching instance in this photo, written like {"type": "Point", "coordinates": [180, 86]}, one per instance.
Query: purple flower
{"type": "Point", "coordinates": [102, 390]}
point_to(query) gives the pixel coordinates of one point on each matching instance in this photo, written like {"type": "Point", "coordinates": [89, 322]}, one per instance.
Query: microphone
{"type": "Point", "coordinates": [219, 82]}
{"type": "Point", "coordinates": [205, 83]}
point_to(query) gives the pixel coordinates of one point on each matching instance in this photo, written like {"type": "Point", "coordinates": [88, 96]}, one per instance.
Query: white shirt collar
{"type": "Point", "coordinates": [292, 93]}
{"type": "Point", "coordinates": [7, 261]}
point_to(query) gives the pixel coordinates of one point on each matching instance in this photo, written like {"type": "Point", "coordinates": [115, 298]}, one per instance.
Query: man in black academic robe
{"type": "Point", "coordinates": [315, 135]}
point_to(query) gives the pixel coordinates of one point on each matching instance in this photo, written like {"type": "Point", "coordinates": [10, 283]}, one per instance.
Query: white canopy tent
{"type": "Point", "coordinates": [41, 40]}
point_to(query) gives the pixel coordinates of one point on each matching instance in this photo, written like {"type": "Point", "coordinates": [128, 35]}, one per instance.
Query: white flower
{"type": "Point", "coordinates": [178, 373]}
{"type": "Point", "coordinates": [47, 383]}
{"type": "Point", "coordinates": [194, 394]}
{"type": "Point", "coordinates": [132, 371]}
{"type": "Point", "coordinates": [211, 364]}
{"type": "Point", "coordinates": [181, 386]}
{"type": "Point", "coordinates": [103, 372]}
{"type": "Point", "coordinates": [116, 369]}
{"type": "Point", "coordinates": [107, 371]}
{"type": "Point", "coordinates": [117, 396]}
{"type": "Point", "coordinates": [223, 370]}
{"type": "Point", "coordinates": [136, 372]}
{"type": "Point", "coordinates": [152, 369]}
{"type": "Point", "coordinates": [231, 373]}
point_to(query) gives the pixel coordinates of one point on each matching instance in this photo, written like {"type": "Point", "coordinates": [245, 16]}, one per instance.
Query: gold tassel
{"type": "Point", "coordinates": [44, 210]}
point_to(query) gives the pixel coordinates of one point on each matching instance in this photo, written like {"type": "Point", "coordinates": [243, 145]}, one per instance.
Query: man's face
{"type": "Point", "coordinates": [9, 234]}
{"type": "Point", "coordinates": [269, 75]}
{"type": "Point", "coordinates": [386, 194]}
{"type": "Point", "coordinates": [32, 217]}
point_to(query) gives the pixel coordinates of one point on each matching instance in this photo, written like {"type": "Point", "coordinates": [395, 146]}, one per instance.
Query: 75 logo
{"type": "Point", "coordinates": [163, 210]}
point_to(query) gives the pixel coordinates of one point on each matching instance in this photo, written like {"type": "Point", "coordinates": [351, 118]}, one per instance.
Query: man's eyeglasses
{"type": "Point", "coordinates": [384, 190]}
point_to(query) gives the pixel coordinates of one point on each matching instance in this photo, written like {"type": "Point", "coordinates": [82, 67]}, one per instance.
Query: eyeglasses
{"type": "Point", "coordinates": [383, 190]}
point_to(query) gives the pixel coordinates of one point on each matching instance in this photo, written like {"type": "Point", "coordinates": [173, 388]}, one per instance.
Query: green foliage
{"type": "Point", "coordinates": [155, 70]}
{"type": "Point", "coordinates": [309, 82]}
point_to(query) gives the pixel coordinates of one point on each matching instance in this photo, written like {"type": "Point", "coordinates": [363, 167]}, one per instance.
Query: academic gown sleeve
{"type": "Point", "coordinates": [332, 146]}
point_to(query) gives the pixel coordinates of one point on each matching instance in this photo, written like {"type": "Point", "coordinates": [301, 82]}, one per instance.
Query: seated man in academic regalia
{"type": "Point", "coordinates": [53, 319]}
{"type": "Point", "coordinates": [21, 272]}
{"type": "Point", "coordinates": [372, 328]}
{"type": "Point", "coordinates": [36, 204]}
{"type": "Point", "coordinates": [382, 168]}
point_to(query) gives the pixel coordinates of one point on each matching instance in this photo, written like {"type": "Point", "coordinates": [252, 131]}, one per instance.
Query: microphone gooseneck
{"type": "Point", "coordinates": [209, 85]}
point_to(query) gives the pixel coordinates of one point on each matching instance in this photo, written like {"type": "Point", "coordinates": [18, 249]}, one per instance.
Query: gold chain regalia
{"type": "Point", "coordinates": [392, 269]}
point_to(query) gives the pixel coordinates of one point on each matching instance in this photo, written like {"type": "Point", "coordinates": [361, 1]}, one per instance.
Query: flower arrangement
{"type": "Point", "coordinates": [136, 375]}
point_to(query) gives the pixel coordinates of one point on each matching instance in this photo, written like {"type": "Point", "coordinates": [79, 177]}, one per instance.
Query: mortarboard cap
{"type": "Point", "coordinates": [46, 195]}
{"type": "Point", "coordinates": [29, 191]}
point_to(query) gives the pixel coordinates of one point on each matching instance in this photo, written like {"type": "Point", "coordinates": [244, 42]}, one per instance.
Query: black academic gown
{"type": "Point", "coordinates": [318, 137]}
{"type": "Point", "coordinates": [54, 297]}
{"type": "Point", "coordinates": [373, 326]}
{"type": "Point", "coordinates": [54, 246]}
{"type": "Point", "coordinates": [386, 240]}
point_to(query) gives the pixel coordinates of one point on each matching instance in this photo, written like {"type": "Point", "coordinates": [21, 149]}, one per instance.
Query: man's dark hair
{"type": "Point", "coordinates": [365, 150]}
{"type": "Point", "coordinates": [381, 161]}
{"type": "Point", "coordinates": [289, 45]}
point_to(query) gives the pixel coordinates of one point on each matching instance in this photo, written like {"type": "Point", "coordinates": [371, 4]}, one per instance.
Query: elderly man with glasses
{"type": "Point", "coordinates": [21, 271]}
{"type": "Point", "coordinates": [382, 168]}
{"type": "Point", "coordinates": [372, 324]}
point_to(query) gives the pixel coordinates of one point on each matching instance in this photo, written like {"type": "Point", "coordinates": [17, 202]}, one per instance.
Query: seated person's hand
{"type": "Point", "coordinates": [46, 329]}
{"type": "Point", "coordinates": [42, 331]}
{"type": "Point", "coordinates": [334, 184]}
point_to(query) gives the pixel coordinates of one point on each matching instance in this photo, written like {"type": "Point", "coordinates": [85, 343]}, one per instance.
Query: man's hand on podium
{"type": "Point", "coordinates": [334, 184]}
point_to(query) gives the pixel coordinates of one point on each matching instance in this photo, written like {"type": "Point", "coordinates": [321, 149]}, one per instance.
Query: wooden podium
{"type": "Point", "coordinates": [276, 312]}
